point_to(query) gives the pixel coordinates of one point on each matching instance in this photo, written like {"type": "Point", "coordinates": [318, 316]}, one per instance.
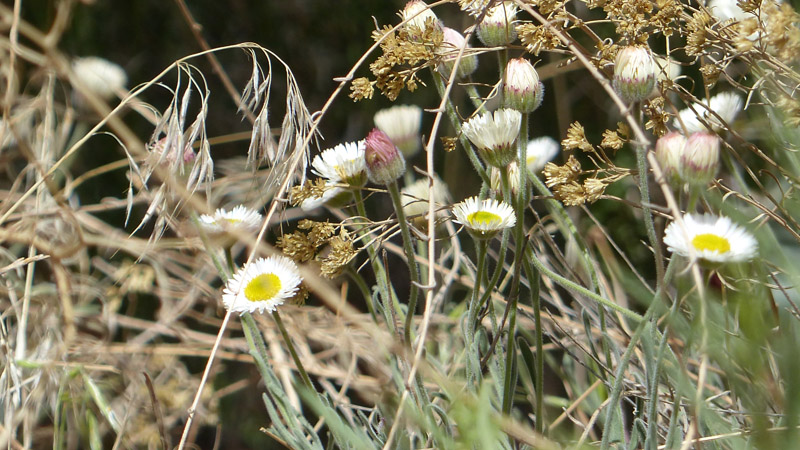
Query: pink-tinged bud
{"type": "Point", "coordinates": [634, 73]}
{"type": "Point", "coordinates": [497, 27]}
{"type": "Point", "coordinates": [700, 158]}
{"type": "Point", "coordinates": [451, 46]}
{"type": "Point", "coordinates": [669, 149]}
{"type": "Point", "coordinates": [385, 163]}
{"type": "Point", "coordinates": [522, 89]}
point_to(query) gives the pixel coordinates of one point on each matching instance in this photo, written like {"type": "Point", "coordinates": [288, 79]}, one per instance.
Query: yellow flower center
{"type": "Point", "coordinates": [483, 218]}
{"type": "Point", "coordinates": [712, 242]}
{"type": "Point", "coordinates": [263, 287]}
{"type": "Point", "coordinates": [233, 221]}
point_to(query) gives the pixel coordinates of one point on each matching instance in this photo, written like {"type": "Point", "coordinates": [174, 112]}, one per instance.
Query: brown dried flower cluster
{"type": "Point", "coordinates": [304, 246]}
{"type": "Point", "coordinates": [576, 138]}
{"type": "Point", "coordinates": [696, 27]}
{"type": "Point", "coordinates": [536, 38]}
{"type": "Point", "coordinates": [565, 181]}
{"type": "Point", "coordinates": [403, 56]}
{"type": "Point", "coordinates": [615, 139]}
{"type": "Point", "coordinates": [657, 118]}
{"type": "Point", "coordinates": [311, 189]}
{"type": "Point", "coordinates": [632, 18]}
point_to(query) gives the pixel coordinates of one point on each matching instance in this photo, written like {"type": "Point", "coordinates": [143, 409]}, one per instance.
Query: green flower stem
{"type": "Point", "coordinates": [619, 376]}
{"type": "Point", "coordinates": [255, 341]}
{"type": "Point", "coordinates": [578, 289]}
{"type": "Point", "coordinates": [289, 344]}
{"type": "Point", "coordinates": [365, 292]}
{"type": "Point", "coordinates": [408, 246]}
{"type": "Point", "coordinates": [473, 309]}
{"type": "Point", "coordinates": [644, 191]}
{"type": "Point", "coordinates": [533, 280]}
{"type": "Point", "coordinates": [567, 227]}
{"type": "Point", "coordinates": [229, 258]}
{"type": "Point", "coordinates": [385, 289]}
{"type": "Point", "coordinates": [456, 122]}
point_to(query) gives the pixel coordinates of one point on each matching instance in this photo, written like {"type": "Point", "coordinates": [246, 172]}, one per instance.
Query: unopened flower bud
{"type": "Point", "coordinates": [669, 149]}
{"type": "Point", "coordinates": [634, 73]}
{"type": "Point", "coordinates": [451, 46]}
{"type": "Point", "coordinates": [496, 179]}
{"type": "Point", "coordinates": [700, 158]}
{"type": "Point", "coordinates": [385, 163]}
{"type": "Point", "coordinates": [497, 27]}
{"type": "Point", "coordinates": [522, 89]}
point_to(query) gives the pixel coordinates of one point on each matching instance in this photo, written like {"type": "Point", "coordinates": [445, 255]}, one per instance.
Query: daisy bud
{"type": "Point", "coordinates": [418, 16]}
{"type": "Point", "coordinates": [451, 46]}
{"type": "Point", "coordinates": [634, 73]}
{"type": "Point", "coordinates": [496, 179]}
{"type": "Point", "coordinates": [497, 27]}
{"type": "Point", "coordinates": [495, 136]}
{"type": "Point", "coordinates": [669, 149]}
{"type": "Point", "coordinates": [385, 163]}
{"type": "Point", "coordinates": [522, 89]}
{"type": "Point", "coordinates": [700, 158]}
{"type": "Point", "coordinates": [401, 123]}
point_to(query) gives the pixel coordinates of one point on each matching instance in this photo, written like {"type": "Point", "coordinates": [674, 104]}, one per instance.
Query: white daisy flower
{"type": "Point", "coordinates": [727, 105]}
{"type": "Point", "coordinates": [102, 77]}
{"type": "Point", "coordinates": [401, 123]}
{"type": "Point", "coordinates": [344, 163]}
{"type": "Point", "coordinates": [713, 238]}
{"type": "Point", "coordinates": [484, 218]}
{"type": "Point", "coordinates": [239, 218]}
{"type": "Point", "coordinates": [494, 134]}
{"type": "Point", "coordinates": [262, 285]}
{"type": "Point", "coordinates": [540, 152]}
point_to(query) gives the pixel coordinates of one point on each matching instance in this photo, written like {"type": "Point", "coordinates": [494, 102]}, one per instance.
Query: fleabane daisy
{"type": "Point", "coordinates": [344, 163]}
{"type": "Point", "coordinates": [262, 285]}
{"type": "Point", "coordinates": [727, 105]}
{"type": "Point", "coordinates": [484, 218]}
{"type": "Point", "coordinates": [540, 152]}
{"type": "Point", "coordinates": [415, 199]}
{"type": "Point", "coordinates": [494, 135]}
{"type": "Point", "coordinates": [714, 238]}
{"type": "Point", "coordinates": [239, 218]}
